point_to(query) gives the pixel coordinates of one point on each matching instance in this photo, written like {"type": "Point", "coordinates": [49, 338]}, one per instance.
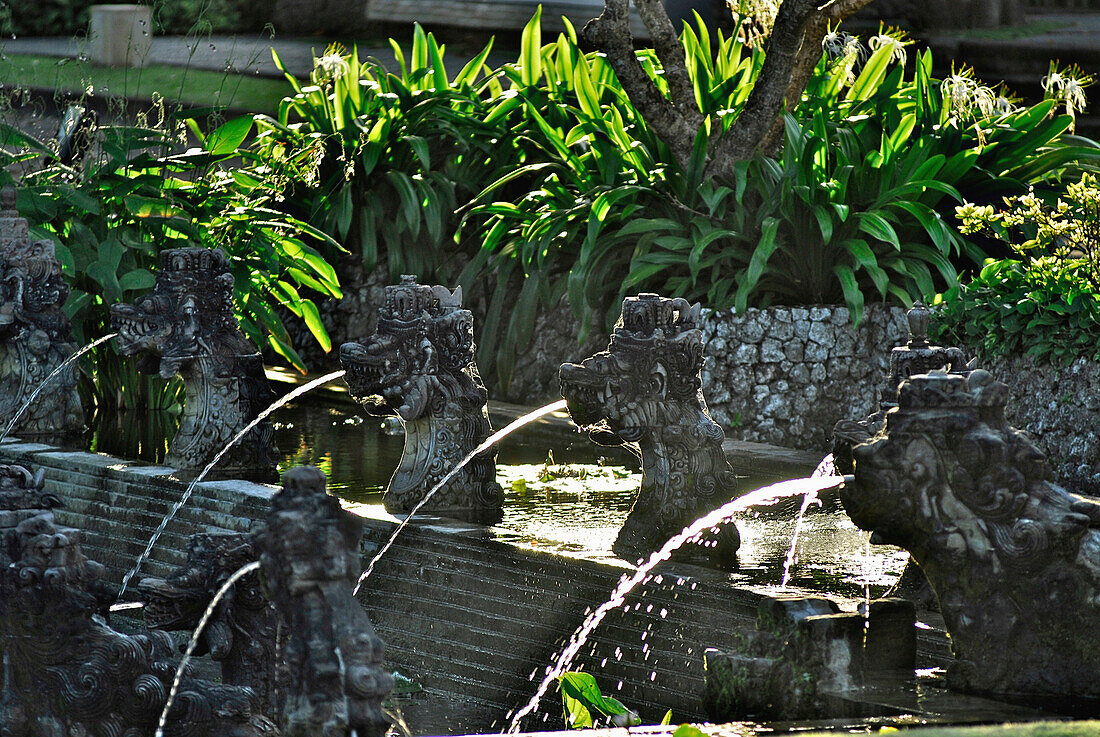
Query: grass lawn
{"type": "Point", "coordinates": [190, 87]}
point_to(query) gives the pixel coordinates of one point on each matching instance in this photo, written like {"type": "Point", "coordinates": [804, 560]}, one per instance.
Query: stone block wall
{"type": "Point", "coordinates": [1059, 406]}
{"type": "Point", "coordinates": [786, 375]}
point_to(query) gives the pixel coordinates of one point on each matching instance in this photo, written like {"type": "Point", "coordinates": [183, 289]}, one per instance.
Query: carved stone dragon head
{"type": "Point", "coordinates": [424, 342]}
{"type": "Point", "coordinates": [1013, 558]}
{"type": "Point", "coordinates": [653, 361]}
{"type": "Point", "coordinates": [32, 289]}
{"type": "Point", "coordinates": [188, 314]}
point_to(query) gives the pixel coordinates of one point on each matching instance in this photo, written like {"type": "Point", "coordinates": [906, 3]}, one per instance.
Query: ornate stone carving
{"type": "Point", "coordinates": [645, 389]}
{"type": "Point", "coordinates": [917, 356]}
{"type": "Point", "coordinates": [66, 673]}
{"type": "Point", "coordinates": [186, 326]}
{"type": "Point", "coordinates": [420, 365]}
{"type": "Point", "coordinates": [309, 556]}
{"type": "Point", "coordinates": [35, 335]}
{"type": "Point", "coordinates": [241, 633]}
{"type": "Point", "coordinates": [1013, 558]}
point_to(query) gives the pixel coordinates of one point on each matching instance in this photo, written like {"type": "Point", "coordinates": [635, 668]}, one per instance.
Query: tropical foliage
{"type": "Point", "coordinates": [134, 194]}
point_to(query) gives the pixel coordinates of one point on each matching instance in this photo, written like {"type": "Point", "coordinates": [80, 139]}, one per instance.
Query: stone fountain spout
{"type": "Point", "coordinates": [35, 335]}
{"type": "Point", "coordinates": [186, 326]}
{"type": "Point", "coordinates": [645, 389]}
{"type": "Point", "coordinates": [419, 365]}
{"type": "Point", "coordinates": [241, 634]}
{"type": "Point", "coordinates": [1013, 558]}
{"type": "Point", "coordinates": [68, 674]}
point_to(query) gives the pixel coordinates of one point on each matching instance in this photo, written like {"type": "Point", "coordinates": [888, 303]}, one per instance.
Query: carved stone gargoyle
{"type": "Point", "coordinates": [419, 365]}
{"type": "Point", "coordinates": [645, 389]}
{"type": "Point", "coordinates": [241, 634]}
{"type": "Point", "coordinates": [917, 356]}
{"type": "Point", "coordinates": [186, 326]}
{"type": "Point", "coordinates": [35, 335]}
{"type": "Point", "coordinates": [333, 682]}
{"type": "Point", "coordinates": [65, 672]}
{"type": "Point", "coordinates": [1013, 558]}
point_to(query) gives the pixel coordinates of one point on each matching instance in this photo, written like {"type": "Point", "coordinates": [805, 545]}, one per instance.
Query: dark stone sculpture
{"type": "Point", "coordinates": [917, 356]}
{"type": "Point", "coordinates": [1013, 558]}
{"type": "Point", "coordinates": [186, 326]}
{"type": "Point", "coordinates": [420, 365]}
{"type": "Point", "coordinates": [309, 555]}
{"type": "Point", "coordinates": [68, 674]}
{"type": "Point", "coordinates": [35, 335]}
{"type": "Point", "coordinates": [645, 389]}
{"type": "Point", "coordinates": [241, 633]}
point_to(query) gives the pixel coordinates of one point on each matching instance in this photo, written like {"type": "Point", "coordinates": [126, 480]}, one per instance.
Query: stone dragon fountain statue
{"type": "Point", "coordinates": [645, 389]}
{"type": "Point", "coordinates": [1013, 558]}
{"type": "Point", "coordinates": [419, 365]}
{"type": "Point", "coordinates": [66, 673]}
{"type": "Point", "coordinates": [35, 335]}
{"type": "Point", "coordinates": [186, 326]}
{"type": "Point", "coordinates": [242, 632]}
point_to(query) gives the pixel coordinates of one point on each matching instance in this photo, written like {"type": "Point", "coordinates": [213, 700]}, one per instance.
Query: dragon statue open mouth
{"type": "Point", "coordinates": [35, 334]}
{"type": "Point", "coordinates": [419, 365]}
{"type": "Point", "coordinates": [645, 389]}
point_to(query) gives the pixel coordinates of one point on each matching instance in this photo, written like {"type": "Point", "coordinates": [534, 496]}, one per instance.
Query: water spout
{"type": "Point", "coordinates": [485, 444]}
{"type": "Point", "coordinates": [760, 497]}
{"type": "Point", "coordinates": [236, 576]}
{"type": "Point", "coordinates": [191, 487]}
{"type": "Point", "coordinates": [38, 389]}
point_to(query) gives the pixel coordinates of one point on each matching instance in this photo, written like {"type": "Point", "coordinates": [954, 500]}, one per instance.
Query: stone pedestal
{"type": "Point", "coordinates": [120, 35]}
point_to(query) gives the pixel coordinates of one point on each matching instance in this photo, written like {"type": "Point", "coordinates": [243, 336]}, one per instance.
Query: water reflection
{"type": "Point", "coordinates": [571, 504]}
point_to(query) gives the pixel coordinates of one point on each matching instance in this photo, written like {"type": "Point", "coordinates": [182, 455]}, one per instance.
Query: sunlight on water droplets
{"type": "Point", "coordinates": [761, 497]}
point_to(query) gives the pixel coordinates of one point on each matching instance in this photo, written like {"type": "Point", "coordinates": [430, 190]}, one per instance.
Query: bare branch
{"type": "Point", "coordinates": [610, 32]}
{"type": "Point", "coordinates": [667, 45]}
{"type": "Point", "coordinates": [765, 101]}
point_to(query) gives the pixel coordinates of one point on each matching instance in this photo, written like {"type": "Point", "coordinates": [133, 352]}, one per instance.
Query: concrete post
{"type": "Point", "coordinates": [121, 35]}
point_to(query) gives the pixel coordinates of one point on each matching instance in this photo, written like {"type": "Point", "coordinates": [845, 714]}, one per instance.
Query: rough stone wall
{"type": "Point", "coordinates": [1059, 405]}
{"type": "Point", "coordinates": [786, 375]}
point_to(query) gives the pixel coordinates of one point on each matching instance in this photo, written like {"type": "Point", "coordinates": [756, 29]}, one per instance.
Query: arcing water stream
{"type": "Point", "coordinates": [45, 382]}
{"type": "Point", "coordinates": [236, 576]}
{"type": "Point", "coordinates": [485, 445]}
{"type": "Point", "coordinates": [191, 487]}
{"type": "Point", "coordinates": [760, 497]}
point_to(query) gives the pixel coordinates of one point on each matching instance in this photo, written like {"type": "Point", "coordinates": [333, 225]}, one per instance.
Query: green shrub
{"type": "Point", "coordinates": [170, 17]}
{"type": "Point", "coordinates": [1047, 308]}
{"type": "Point", "coordinates": [134, 196]}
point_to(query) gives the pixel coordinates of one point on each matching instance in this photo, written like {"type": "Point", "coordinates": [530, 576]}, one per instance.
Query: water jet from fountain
{"type": "Point", "coordinates": [485, 445]}
{"type": "Point", "coordinates": [285, 399]}
{"type": "Point", "coordinates": [38, 389]}
{"type": "Point", "coordinates": [760, 497]}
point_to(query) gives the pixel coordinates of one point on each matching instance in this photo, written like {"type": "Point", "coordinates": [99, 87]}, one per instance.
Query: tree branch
{"type": "Point", "coordinates": [610, 32]}
{"type": "Point", "coordinates": [671, 54]}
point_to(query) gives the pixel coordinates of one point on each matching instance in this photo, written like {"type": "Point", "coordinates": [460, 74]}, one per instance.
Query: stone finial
{"type": "Point", "coordinates": [309, 555]}
{"type": "Point", "coordinates": [645, 388]}
{"type": "Point", "coordinates": [919, 318]}
{"type": "Point", "coordinates": [419, 365]}
{"type": "Point", "coordinates": [7, 199]}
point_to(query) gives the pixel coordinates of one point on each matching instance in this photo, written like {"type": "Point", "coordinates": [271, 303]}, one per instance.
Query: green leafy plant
{"type": "Point", "coordinates": [134, 195]}
{"type": "Point", "coordinates": [583, 704]}
{"type": "Point", "coordinates": [1047, 308]}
